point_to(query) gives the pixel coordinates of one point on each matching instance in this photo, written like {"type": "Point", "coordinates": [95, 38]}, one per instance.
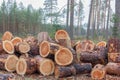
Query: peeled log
{"type": "Point", "coordinates": [8, 46]}
{"type": "Point", "coordinates": [61, 71]}
{"type": "Point", "coordinates": [7, 36]}
{"type": "Point", "coordinates": [7, 77]}
{"type": "Point", "coordinates": [44, 66]}
{"type": "Point", "coordinates": [8, 62]}
{"type": "Point", "coordinates": [43, 36]}
{"type": "Point", "coordinates": [82, 68]}
{"type": "Point", "coordinates": [26, 66]}
{"type": "Point", "coordinates": [98, 72]}
{"type": "Point", "coordinates": [22, 47]}
{"type": "Point", "coordinates": [63, 57]}
{"type": "Point", "coordinates": [113, 45]}
{"type": "Point", "coordinates": [46, 48]}
{"type": "Point", "coordinates": [16, 40]}
{"type": "Point", "coordinates": [114, 57]}
{"type": "Point", "coordinates": [113, 68]}
{"type": "Point", "coordinates": [98, 56]}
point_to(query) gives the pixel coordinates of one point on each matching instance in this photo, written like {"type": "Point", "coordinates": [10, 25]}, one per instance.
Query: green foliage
{"type": "Point", "coordinates": [115, 20]}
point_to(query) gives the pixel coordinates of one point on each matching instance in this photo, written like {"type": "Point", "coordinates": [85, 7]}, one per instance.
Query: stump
{"type": "Point", "coordinates": [63, 57]}
{"type": "Point", "coordinates": [8, 47]}
{"type": "Point", "coordinates": [7, 36]}
{"type": "Point", "coordinates": [16, 40]}
{"type": "Point", "coordinates": [8, 62]}
{"type": "Point", "coordinates": [44, 66]}
{"type": "Point", "coordinates": [113, 68]}
{"type": "Point", "coordinates": [26, 66]}
{"type": "Point", "coordinates": [98, 72]}
{"type": "Point", "coordinates": [67, 71]}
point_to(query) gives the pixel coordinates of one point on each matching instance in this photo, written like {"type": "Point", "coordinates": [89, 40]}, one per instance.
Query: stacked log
{"type": "Point", "coordinates": [44, 66]}
{"type": "Point", "coordinates": [26, 66]}
{"type": "Point", "coordinates": [98, 72]}
{"type": "Point", "coordinates": [98, 56]}
{"type": "Point", "coordinates": [59, 57]}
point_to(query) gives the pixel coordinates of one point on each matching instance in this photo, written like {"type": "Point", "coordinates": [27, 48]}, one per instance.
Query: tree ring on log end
{"type": "Point", "coordinates": [7, 36]}
{"type": "Point", "coordinates": [16, 40]}
{"type": "Point", "coordinates": [10, 64]}
{"type": "Point", "coordinates": [44, 48]}
{"type": "Point", "coordinates": [47, 67]}
{"type": "Point", "coordinates": [21, 66]}
{"type": "Point", "coordinates": [24, 47]}
{"type": "Point", "coordinates": [63, 57]}
{"type": "Point", "coordinates": [8, 46]}
{"type": "Point", "coordinates": [61, 34]}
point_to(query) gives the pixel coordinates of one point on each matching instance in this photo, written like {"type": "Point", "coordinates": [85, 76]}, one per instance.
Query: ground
{"type": "Point", "coordinates": [40, 77]}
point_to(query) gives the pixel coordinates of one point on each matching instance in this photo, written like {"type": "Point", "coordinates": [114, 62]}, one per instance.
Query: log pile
{"type": "Point", "coordinates": [59, 56]}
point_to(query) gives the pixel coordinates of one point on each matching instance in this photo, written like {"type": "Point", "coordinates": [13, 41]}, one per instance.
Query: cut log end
{"type": "Point", "coordinates": [63, 57]}
{"type": "Point", "coordinates": [61, 34]}
{"type": "Point", "coordinates": [24, 47]}
{"type": "Point", "coordinates": [98, 72]}
{"type": "Point", "coordinates": [10, 64]}
{"type": "Point", "coordinates": [47, 67]}
{"type": "Point", "coordinates": [7, 36]}
{"type": "Point", "coordinates": [8, 46]}
{"type": "Point", "coordinates": [101, 44]}
{"type": "Point", "coordinates": [16, 40]}
{"type": "Point", "coordinates": [21, 66]}
{"type": "Point", "coordinates": [44, 49]}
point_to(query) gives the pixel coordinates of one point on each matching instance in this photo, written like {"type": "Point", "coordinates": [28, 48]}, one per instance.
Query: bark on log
{"type": "Point", "coordinates": [63, 57]}
{"type": "Point", "coordinates": [44, 66]}
{"type": "Point", "coordinates": [67, 71]}
{"type": "Point", "coordinates": [113, 45]}
{"type": "Point", "coordinates": [82, 68]}
{"type": "Point", "coordinates": [7, 36]}
{"type": "Point", "coordinates": [22, 47]}
{"type": "Point", "coordinates": [34, 50]}
{"type": "Point", "coordinates": [113, 68]}
{"type": "Point", "coordinates": [114, 57]}
{"type": "Point", "coordinates": [98, 56]}
{"type": "Point", "coordinates": [26, 66]}
{"type": "Point", "coordinates": [16, 40]}
{"type": "Point", "coordinates": [7, 77]}
{"type": "Point", "coordinates": [98, 72]}
{"type": "Point", "coordinates": [6, 61]}
{"type": "Point", "coordinates": [8, 47]}
{"type": "Point", "coordinates": [43, 36]}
